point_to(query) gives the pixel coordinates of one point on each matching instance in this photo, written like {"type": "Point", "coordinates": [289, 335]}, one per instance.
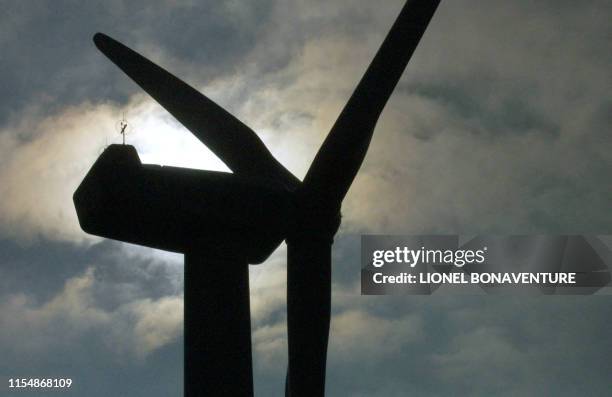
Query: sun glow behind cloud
{"type": "Point", "coordinates": [161, 139]}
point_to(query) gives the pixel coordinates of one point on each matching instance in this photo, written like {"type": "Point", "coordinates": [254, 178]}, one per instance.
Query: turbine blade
{"type": "Point", "coordinates": [235, 143]}
{"type": "Point", "coordinates": [308, 315]}
{"type": "Point", "coordinates": [339, 158]}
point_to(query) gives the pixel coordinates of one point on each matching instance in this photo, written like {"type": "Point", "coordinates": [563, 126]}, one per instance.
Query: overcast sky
{"type": "Point", "coordinates": [501, 124]}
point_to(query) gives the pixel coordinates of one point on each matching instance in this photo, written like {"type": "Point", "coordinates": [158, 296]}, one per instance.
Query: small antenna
{"type": "Point", "coordinates": [123, 127]}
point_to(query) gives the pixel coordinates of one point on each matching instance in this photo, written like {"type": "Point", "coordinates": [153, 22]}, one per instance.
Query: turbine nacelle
{"type": "Point", "coordinates": [178, 209]}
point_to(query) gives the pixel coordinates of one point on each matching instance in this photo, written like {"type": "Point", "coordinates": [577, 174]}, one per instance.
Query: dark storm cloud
{"type": "Point", "coordinates": [49, 61]}
{"type": "Point", "coordinates": [91, 314]}
{"type": "Point", "coordinates": [96, 373]}
{"type": "Point", "coordinates": [42, 268]}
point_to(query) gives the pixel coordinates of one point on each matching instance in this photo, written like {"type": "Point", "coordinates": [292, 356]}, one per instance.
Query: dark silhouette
{"type": "Point", "coordinates": [223, 222]}
{"type": "Point", "coordinates": [320, 197]}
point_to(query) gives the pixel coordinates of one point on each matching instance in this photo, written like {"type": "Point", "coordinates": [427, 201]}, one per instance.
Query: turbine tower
{"type": "Point", "coordinates": [222, 222]}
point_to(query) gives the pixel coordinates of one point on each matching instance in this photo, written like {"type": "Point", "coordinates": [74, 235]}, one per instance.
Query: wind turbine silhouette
{"type": "Point", "coordinates": [250, 212]}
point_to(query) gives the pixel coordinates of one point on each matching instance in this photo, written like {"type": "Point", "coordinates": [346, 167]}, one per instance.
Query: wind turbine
{"type": "Point", "coordinates": [306, 214]}
{"type": "Point", "coordinates": [220, 221]}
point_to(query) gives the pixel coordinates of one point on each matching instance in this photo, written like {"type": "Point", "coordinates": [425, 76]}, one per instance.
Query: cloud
{"type": "Point", "coordinates": [158, 322]}
{"type": "Point", "coordinates": [270, 347]}
{"type": "Point", "coordinates": [40, 166]}
{"type": "Point", "coordinates": [501, 124]}
{"type": "Point", "coordinates": [50, 61]}
{"type": "Point", "coordinates": [268, 283]}
{"type": "Point", "coordinates": [431, 345]}
{"type": "Point", "coordinates": [136, 327]}
{"type": "Point", "coordinates": [494, 129]}
{"type": "Point", "coordinates": [458, 148]}
{"type": "Point", "coordinates": [485, 352]}
{"type": "Point", "coordinates": [358, 335]}
{"type": "Point", "coordinates": [521, 346]}
{"type": "Point", "coordinates": [72, 306]}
